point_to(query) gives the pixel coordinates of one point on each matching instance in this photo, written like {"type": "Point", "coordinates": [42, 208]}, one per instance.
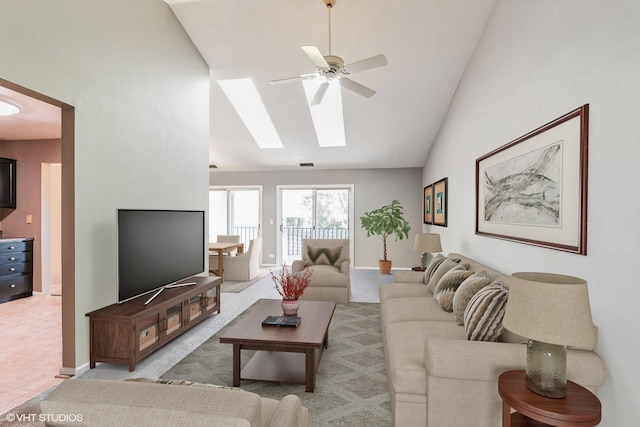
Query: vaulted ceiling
{"type": "Point", "coordinates": [428, 44]}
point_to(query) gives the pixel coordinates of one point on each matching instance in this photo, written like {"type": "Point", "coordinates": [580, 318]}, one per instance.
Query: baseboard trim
{"type": "Point", "coordinates": [70, 372]}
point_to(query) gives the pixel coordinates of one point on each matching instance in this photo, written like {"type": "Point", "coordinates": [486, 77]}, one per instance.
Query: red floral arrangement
{"type": "Point", "coordinates": [291, 286]}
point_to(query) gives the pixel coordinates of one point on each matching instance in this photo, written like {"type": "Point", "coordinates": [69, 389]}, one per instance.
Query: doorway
{"type": "Point", "coordinates": [51, 228]}
{"type": "Point", "coordinates": [313, 212]}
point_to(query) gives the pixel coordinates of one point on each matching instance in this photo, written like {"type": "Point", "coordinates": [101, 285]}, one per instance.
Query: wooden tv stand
{"type": "Point", "coordinates": [128, 332]}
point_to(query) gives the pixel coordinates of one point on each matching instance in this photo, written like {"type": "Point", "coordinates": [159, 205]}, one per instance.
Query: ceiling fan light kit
{"type": "Point", "coordinates": [332, 68]}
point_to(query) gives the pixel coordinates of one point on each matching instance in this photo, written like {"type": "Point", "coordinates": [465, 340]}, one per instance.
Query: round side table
{"type": "Point", "coordinates": [580, 407]}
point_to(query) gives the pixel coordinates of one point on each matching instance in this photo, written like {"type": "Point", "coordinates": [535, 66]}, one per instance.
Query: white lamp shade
{"type": "Point", "coordinates": [551, 308]}
{"type": "Point", "coordinates": [427, 242]}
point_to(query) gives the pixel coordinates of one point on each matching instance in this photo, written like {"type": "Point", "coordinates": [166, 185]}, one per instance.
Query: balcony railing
{"type": "Point", "coordinates": [294, 236]}
{"type": "Point", "coordinates": [246, 234]}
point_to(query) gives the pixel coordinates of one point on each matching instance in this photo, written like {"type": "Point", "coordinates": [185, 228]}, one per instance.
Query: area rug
{"type": "Point", "coordinates": [235, 286]}
{"type": "Point", "coordinates": [27, 414]}
{"type": "Point", "coordinates": [351, 383]}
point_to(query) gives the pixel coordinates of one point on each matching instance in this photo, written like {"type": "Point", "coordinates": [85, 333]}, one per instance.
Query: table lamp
{"type": "Point", "coordinates": [426, 244]}
{"type": "Point", "coordinates": [552, 311]}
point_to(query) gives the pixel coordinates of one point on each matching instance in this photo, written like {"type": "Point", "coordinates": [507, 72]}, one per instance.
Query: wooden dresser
{"type": "Point", "coordinates": [16, 268]}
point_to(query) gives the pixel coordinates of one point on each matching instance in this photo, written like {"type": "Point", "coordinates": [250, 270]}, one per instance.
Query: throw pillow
{"type": "Point", "coordinates": [465, 291]}
{"type": "Point", "coordinates": [484, 313]}
{"type": "Point", "coordinates": [433, 265]}
{"type": "Point", "coordinates": [442, 269]}
{"type": "Point", "coordinates": [324, 256]}
{"type": "Point", "coordinates": [447, 286]}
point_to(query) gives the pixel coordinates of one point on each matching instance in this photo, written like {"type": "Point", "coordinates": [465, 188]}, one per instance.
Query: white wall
{"type": "Point", "coordinates": [537, 61]}
{"type": "Point", "coordinates": [373, 188]}
{"type": "Point", "coordinates": [140, 92]}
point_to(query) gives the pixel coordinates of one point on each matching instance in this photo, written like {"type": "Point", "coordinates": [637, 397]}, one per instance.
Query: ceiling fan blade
{"type": "Point", "coordinates": [357, 87]}
{"type": "Point", "coordinates": [314, 54]}
{"type": "Point", "coordinates": [322, 89]}
{"type": "Point", "coordinates": [366, 64]}
{"type": "Point", "coordinates": [294, 79]}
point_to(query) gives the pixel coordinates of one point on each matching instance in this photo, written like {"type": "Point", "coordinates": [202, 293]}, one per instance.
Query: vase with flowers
{"type": "Point", "coordinates": [291, 287]}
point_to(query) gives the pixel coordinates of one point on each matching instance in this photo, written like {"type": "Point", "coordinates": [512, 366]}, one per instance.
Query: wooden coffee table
{"type": "Point", "coordinates": [285, 355]}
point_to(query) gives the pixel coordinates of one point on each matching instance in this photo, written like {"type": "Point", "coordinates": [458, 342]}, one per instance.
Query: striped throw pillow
{"type": "Point", "coordinates": [446, 265]}
{"type": "Point", "coordinates": [447, 286]}
{"type": "Point", "coordinates": [431, 268]}
{"type": "Point", "coordinates": [484, 313]}
{"type": "Point", "coordinates": [465, 291]}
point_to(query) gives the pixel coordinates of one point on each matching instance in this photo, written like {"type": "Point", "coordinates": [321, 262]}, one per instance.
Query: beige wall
{"type": "Point", "coordinates": [29, 155]}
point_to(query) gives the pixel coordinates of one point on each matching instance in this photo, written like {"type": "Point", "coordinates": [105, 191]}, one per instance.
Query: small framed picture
{"type": "Point", "coordinates": [440, 202]}
{"type": "Point", "coordinates": [427, 200]}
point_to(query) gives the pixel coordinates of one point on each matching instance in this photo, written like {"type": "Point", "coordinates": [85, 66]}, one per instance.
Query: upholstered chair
{"type": "Point", "coordinates": [244, 266]}
{"type": "Point", "coordinates": [329, 260]}
{"type": "Point", "coordinates": [228, 238]}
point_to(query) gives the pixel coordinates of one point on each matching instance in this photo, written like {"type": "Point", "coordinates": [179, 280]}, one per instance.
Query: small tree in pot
{"type": "Point", "coordinates": [386, 221]}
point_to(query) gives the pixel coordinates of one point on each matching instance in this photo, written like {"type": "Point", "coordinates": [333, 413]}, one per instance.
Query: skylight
{"type": "Point", "coordinates": [327, 116]}
{"type": "Point", "coordinates": [244, 96]}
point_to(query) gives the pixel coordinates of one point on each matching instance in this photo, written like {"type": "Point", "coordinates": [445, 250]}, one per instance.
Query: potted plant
{"type": "Point", "coordinates": [291, 287]}
{"type": "Point", "coordinates": [386, 221]}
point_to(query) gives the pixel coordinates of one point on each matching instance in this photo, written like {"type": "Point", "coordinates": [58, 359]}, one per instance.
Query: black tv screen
{"type": "Point", "coordinates": [157, 248]}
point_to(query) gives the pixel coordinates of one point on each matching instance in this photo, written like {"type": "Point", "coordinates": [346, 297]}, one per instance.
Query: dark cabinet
{"type": "Point", "coordinates": [7, 183]}
{"type": "Point", "coordinates": [16, 269]}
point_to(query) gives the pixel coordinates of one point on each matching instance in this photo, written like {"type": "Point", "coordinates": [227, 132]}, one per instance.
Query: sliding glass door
{"type": "Point", "coordinates": [312, 213]}
{"type": "Point", "coordinates": [234, 211]}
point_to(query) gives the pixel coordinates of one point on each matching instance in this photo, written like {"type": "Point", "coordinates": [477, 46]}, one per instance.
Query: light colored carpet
{"type": "Point", "coordinates": [236, 286]}
{"type": "Point", "coordinates": [351, 383]}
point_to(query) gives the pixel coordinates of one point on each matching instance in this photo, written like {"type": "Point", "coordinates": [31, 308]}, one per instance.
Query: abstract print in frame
{"type": "Point", "coordinates": [440, 202]}
{"type": "Point", "coordinates": [534, 189]}
{"type": "Point", "coordinates": [427, 200]}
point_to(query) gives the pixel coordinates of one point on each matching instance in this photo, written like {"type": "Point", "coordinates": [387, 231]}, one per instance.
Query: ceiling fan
{"type": "Point", "coordinates": [331, 67]}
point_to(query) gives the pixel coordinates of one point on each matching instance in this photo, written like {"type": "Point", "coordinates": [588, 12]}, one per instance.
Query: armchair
{"type": "Point", "coordinates": [245, 266]}
{"type": "Point", "coordinates": [329, 261]}
{"type": "Point", "coordinates": [231, 238]}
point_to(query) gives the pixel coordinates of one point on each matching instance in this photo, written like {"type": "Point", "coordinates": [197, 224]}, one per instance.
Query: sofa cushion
{"type": "Point", "coordinates": [324, 256]}
{"type": "Point", "coordinates": [447, 286]}
{"type": "Point", "coordinates": [484, 313]}
{"type": "Point", "coordinates": [403, 290]}
{"type": "Point", "coordinates": [443, 268]}
{"type": "Point", "coordinates": [191, 400]}
{"type": "Point", "coordinates": [405, 349]}
{"type": "Point", "coordinates": [412, 308]}
{"type": "Point", "coordinates": [465, 291]}
{"type": "Point", "coordinates": [431, 268]}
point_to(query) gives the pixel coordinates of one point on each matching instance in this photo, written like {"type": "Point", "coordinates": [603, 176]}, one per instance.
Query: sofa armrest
{"type": "Point", "coordinates": [344, 267]}
{"type": "Point", "coordinates": [485, 361]}
{"type": "Point", "coordinates": [408, 276]}
{"type": "Point", "coordinates": [289, 413]}
{"type": "Point", "coordinates": [297, 266]}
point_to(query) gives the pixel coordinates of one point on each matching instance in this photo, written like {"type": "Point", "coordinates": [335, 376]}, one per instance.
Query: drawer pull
{"type": "Point", "coordinates": [12, 269]}
{"type": "Point", "coordinates": [12, 258]}
{"type": "Point", "coordinates": [13, 285]}
{"type": "Point", "coordinates": [12, 247]}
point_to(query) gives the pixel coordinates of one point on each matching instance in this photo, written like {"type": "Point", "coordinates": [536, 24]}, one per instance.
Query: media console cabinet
{"type": "Point", "coordinates": [128, 332]}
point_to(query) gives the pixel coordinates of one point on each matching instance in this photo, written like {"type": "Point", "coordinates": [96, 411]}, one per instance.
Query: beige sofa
{"type": "Point", "coordinates": [439, 378]}
{"type": "Point", "coordinates": [330, 280]}
{"type": "Point", "coordinates": [100, 403]}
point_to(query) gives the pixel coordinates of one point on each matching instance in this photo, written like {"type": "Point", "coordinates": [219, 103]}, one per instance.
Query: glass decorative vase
{"type": "Point", "coordinates": [290, 307]}
{"type": "Point", "coordinates": [547, 369]}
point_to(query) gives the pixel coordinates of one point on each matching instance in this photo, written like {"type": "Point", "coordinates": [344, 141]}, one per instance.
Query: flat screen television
{"type": "Point", "coordinates": [157, 248]}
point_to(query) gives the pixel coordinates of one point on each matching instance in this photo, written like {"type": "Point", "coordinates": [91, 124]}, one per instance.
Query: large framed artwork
{"type": "Point", "coordinates": [534, 189]}
{"type": "Point", "coordinates": [440, 202]}
{"type": "Point", "coordinates": [427, 200]}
